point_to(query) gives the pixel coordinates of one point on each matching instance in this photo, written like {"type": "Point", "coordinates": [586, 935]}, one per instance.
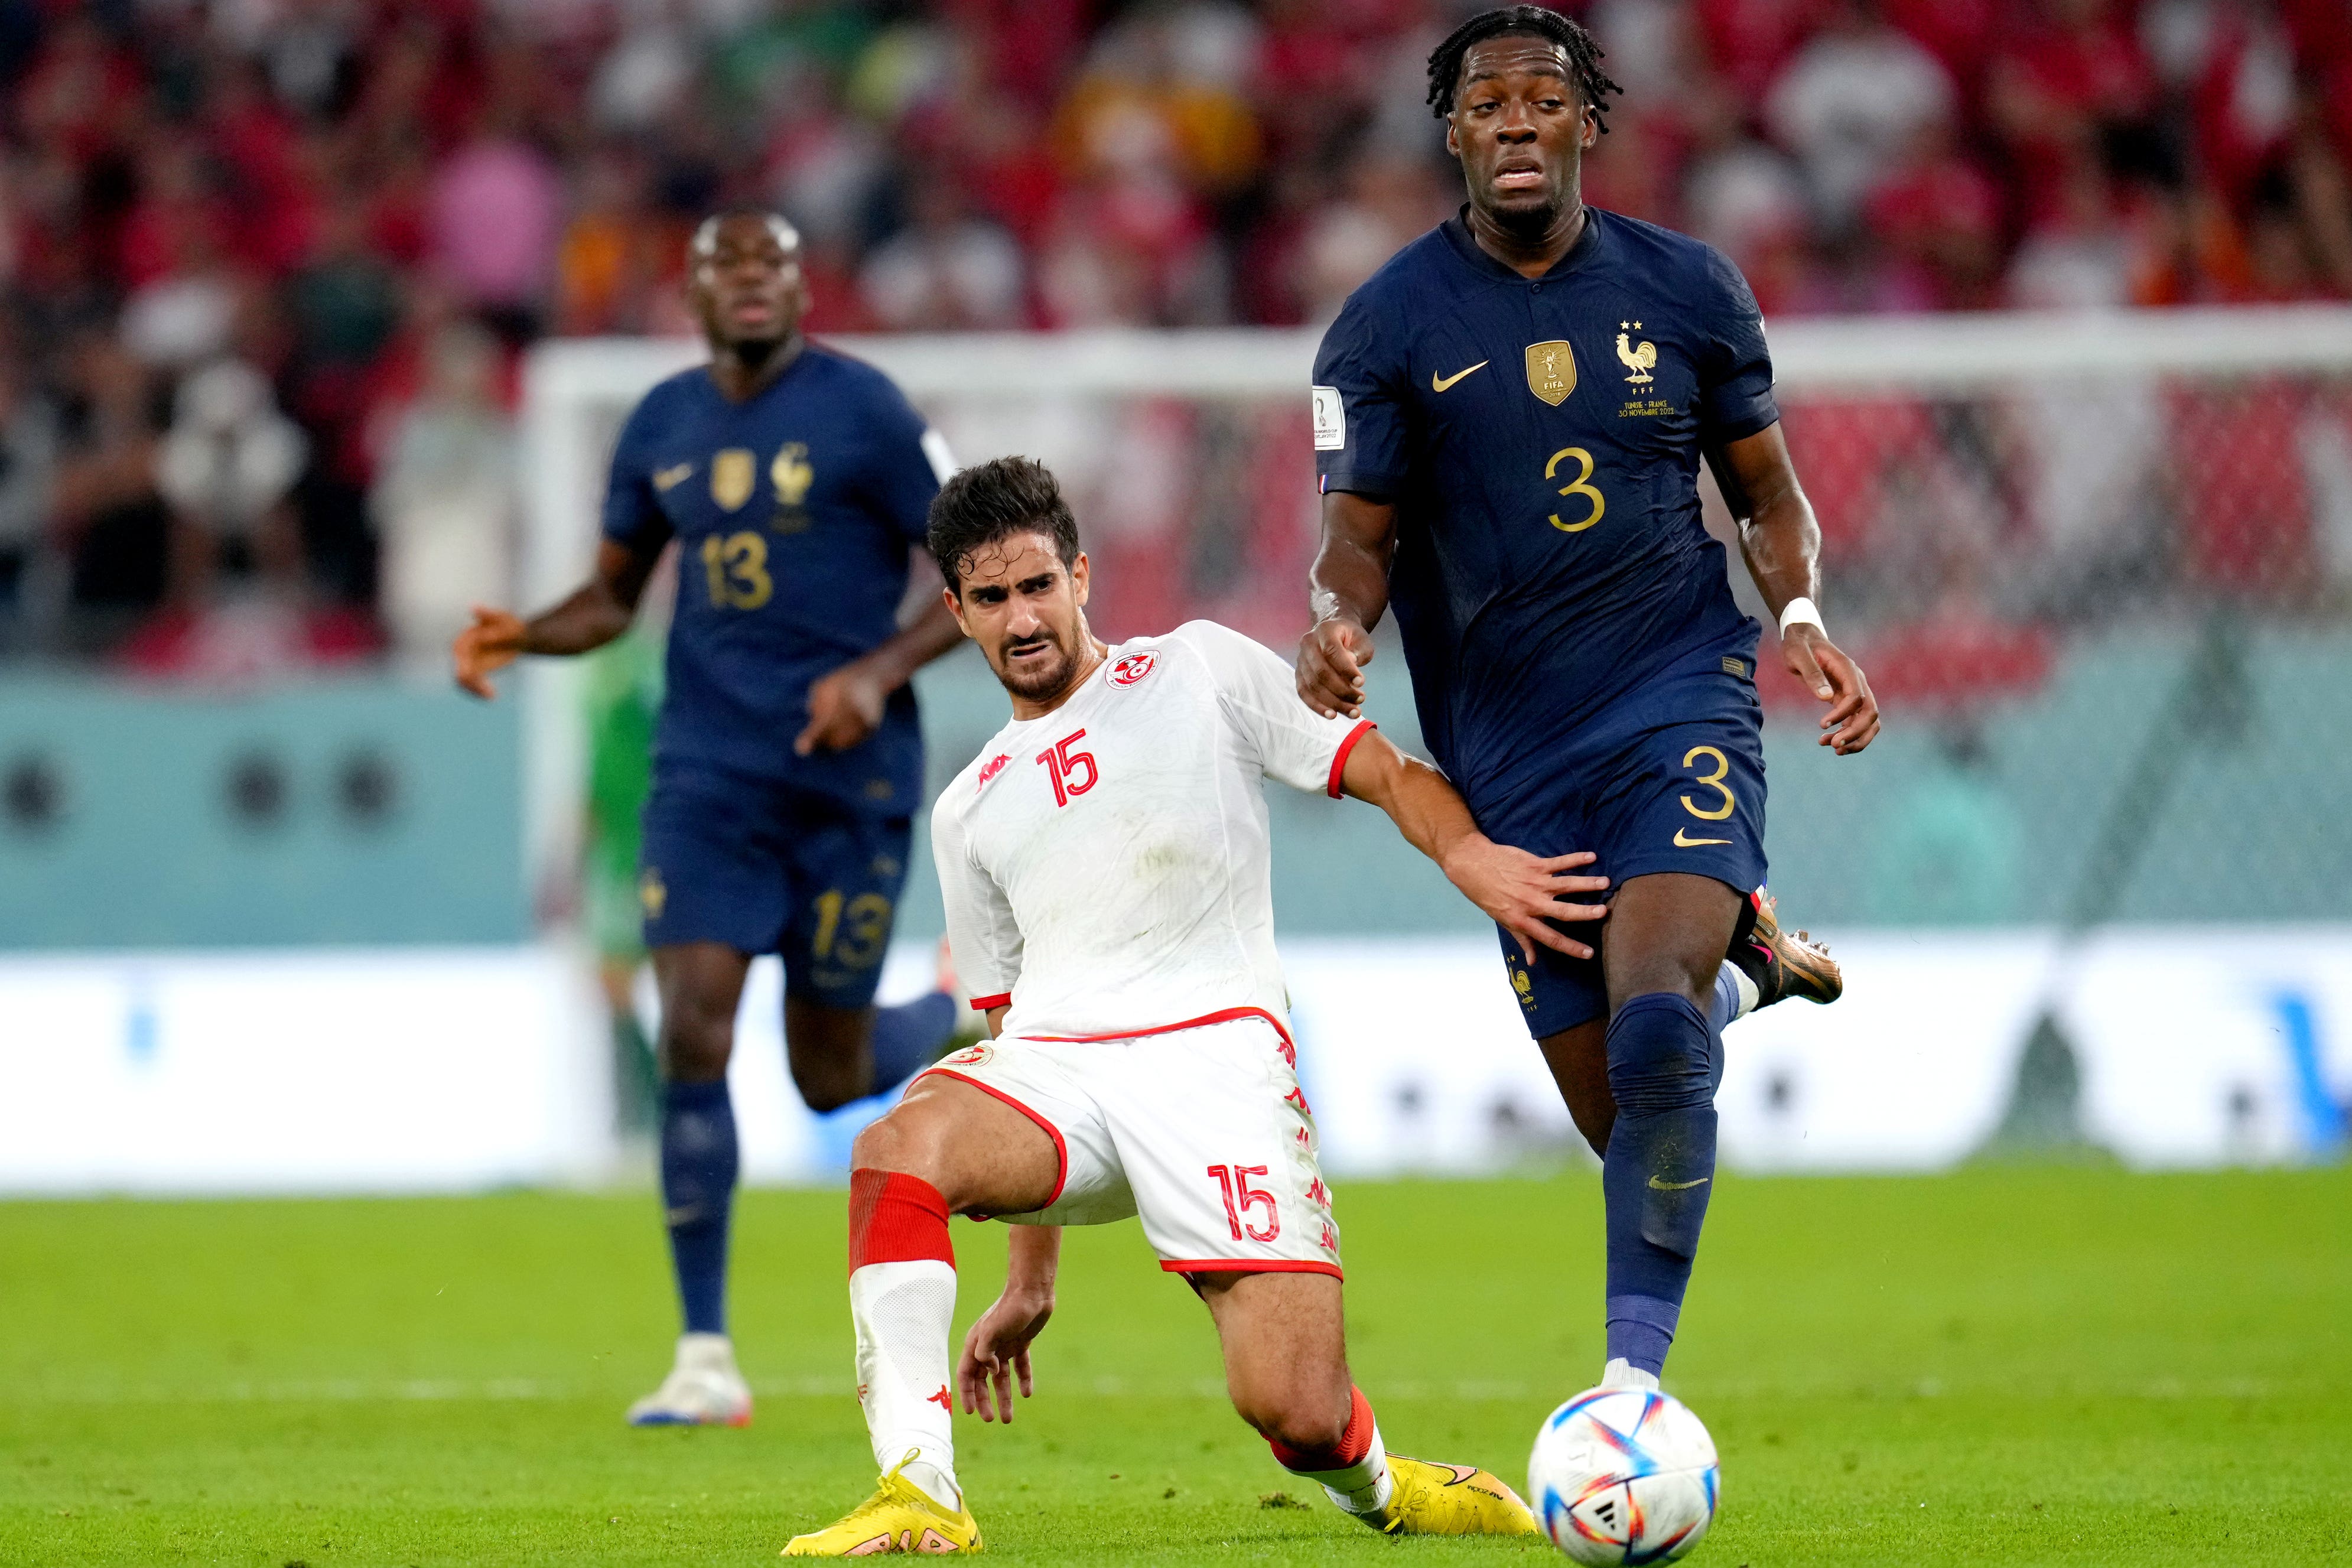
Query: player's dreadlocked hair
{"type": "Point", "coordinates": [992, 501]}
{"type": "Point", "coordinates": [1592, 83]}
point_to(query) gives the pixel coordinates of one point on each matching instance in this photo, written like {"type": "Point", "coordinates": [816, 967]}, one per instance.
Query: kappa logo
{"type": "Point", "coordinates": [1133, 668]}
{"type": "Point", "coordinates": [988, 770]}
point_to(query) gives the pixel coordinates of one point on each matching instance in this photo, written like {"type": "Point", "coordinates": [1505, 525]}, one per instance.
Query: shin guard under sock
{"type": "Point", "coordinates": [902, 1287]}
{"type": "Point", "coordinates": [1659, 1170]}
{"type": "Point", "coordinates": [699, 1163]}
{"type": "Point", "coordinates": [909, 1037]}
{"type": "Point", "coordinates": [1354, 1472]}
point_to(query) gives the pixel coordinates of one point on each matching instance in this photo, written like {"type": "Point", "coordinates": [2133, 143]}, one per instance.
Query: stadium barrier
{"type": "Point", "coordinates": [2089, 885]}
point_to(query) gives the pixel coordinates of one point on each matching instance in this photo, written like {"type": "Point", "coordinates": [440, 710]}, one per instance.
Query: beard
{"type": "Point", "coordinates": [753, 353]}
{"type": "Point", "coordinates": [1530, 225]}
{"type": "Point", "coordinates": [1042, 681]}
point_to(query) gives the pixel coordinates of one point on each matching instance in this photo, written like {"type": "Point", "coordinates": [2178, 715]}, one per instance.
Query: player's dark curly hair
{"type": "Point", "coordinates": [994, 501]}
{"type": "Point", "coordinates": [1591, 83]}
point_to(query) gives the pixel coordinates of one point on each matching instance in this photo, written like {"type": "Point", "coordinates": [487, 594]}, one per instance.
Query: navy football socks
{"type": "Point", "coordinates": [698, 1165]}
{"type": "Point", "coordinates": [909, 1037]}
{"type": "Point", "coordinates": [1664, 1062]}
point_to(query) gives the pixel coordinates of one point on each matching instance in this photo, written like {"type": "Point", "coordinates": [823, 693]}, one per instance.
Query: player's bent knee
{"type": "Point", "coordinates": [694, 1045]}
{"type": "Point", "coordinates": [1659, 1058]}
{"type": "Point", "coordinates": [826, 1086]}
{"type": "Point", "coordinates": [907, 1141]}
{"type": "Point", "coordinates": [1309, 1426]}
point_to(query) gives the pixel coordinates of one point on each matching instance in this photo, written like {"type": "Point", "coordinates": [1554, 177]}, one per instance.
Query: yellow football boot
{"type": "Point", "coordinates": [1448, 1500]}
{"type": "Point", "coordinates": [900, 1517]}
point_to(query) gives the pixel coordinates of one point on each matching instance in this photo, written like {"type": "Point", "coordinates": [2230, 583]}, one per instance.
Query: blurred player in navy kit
{"type": "Point", "coordinates": [788, 763]}
{"type": "Point", "coordinates": [1508, 422]}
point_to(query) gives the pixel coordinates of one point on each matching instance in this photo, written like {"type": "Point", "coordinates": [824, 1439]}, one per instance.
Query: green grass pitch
{"type": "Point", "coordinates": [2052, 1365]}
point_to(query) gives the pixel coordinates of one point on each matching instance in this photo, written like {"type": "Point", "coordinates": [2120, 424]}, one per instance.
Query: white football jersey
{"type": "Point", "coordinates": [1106, 868]}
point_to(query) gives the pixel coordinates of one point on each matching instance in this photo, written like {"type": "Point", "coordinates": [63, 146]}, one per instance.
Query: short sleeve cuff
{"type": "Point", "coordinates": [1363, 482]}
{"type": "Point", "coordinates": [985, 1004]}
{"type": "Point", "coordinates": [1339, 757]}
{"type": "Point", "coordinates": [1737, 417]}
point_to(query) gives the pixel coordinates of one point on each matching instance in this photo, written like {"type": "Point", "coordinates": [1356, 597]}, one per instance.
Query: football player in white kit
{"type": "Point", "coordinates": [1105, 866]}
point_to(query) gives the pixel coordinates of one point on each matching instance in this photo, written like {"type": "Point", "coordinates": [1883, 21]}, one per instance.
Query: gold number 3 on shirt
{"type": "Point", "coordinates": [1579, 486]}
{"type": "Point", "coordinates": [738, 567]}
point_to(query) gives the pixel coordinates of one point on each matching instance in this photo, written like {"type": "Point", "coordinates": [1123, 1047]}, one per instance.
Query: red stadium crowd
{"type": "Point", "coordinates": [266, 263]}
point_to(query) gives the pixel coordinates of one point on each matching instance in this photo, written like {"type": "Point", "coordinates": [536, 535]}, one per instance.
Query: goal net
{"type": "Point", "coordinates": [2099, 569]}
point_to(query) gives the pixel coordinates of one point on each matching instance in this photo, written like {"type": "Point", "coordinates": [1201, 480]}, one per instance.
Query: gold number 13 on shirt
{"type": "Point", "coordinates": [738, 568]}
{"type": "Point", "coordinates": [1579, 486]}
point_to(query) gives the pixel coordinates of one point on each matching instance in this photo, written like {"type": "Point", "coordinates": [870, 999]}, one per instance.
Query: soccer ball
{"type": "Point", "coordinates": [1623, 1475]}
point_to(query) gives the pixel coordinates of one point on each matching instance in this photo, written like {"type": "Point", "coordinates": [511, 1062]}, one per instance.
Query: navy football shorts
{"type": "Point", "coordinates": [1668, 778]}
{"type": "Point", "coordinates": [764, 867]}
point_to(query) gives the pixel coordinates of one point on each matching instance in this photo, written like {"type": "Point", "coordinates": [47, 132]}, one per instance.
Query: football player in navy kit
{"type": "Point", "coordinates": [788, 761]}
{"type": "Point", "coordinates": [1509, 418]}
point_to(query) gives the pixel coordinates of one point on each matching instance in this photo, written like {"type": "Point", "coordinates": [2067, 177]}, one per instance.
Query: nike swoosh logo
{"type": "Point", "coordinates": [667, 478]}
{"type": "Point", "coordinates": [1440, 383]}
{"type": "Point", "coordinates": [1683, 840]}
{"type": "Point", "coordinates": [1679, 1186]}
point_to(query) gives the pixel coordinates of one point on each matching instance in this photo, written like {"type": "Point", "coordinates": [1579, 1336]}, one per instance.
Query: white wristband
{"type": "Point", "coordinates": [1801, 609]}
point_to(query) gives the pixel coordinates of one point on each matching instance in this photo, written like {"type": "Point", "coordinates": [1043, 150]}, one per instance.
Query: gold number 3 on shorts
{"type": "Point", "coordinates": [1713, 781]}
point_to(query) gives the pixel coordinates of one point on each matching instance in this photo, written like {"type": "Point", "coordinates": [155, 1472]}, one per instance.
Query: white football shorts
{"type": "Point", "coordinates": [1198, 1129]}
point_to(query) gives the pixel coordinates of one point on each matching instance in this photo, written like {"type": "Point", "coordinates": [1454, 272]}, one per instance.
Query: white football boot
{"type": "Point", "coordinates": [703, 1389]}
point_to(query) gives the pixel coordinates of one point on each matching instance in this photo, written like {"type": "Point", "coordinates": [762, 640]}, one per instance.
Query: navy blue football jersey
{"type": "Point", "coordinates": [1540, 439]}
{"type": "Point", "coordinates": [794, 514]}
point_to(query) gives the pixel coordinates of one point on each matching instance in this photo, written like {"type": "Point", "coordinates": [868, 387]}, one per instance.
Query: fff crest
{"type": "Point", "coordinates": [791, 473]}
{"type": "Point", "coordinates": [1552, 372]}
{"type": "Point", "coordinates": [732, 473]}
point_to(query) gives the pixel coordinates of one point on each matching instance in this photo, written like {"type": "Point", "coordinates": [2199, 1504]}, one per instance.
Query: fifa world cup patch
{"type": "Point", "coordinates": [1330, 419]}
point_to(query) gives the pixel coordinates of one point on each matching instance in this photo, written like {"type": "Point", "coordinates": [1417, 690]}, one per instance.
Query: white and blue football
{"type": "Point", "coordinates": [1623, 1475]}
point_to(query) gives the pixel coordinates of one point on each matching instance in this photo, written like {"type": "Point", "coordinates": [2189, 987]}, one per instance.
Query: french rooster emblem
{"type": "Point", "coordinates": [1637, 357]}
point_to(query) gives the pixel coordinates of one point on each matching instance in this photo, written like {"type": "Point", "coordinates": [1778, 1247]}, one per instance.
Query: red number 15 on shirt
{"type": "Point", "coordinates": [1065, 765]}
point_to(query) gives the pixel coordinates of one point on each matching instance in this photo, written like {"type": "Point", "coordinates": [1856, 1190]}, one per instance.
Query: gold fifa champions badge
{"type": "Point", "coordinates": [732, 473]}
{"type": "Point", "coordinates": [1552, 372]}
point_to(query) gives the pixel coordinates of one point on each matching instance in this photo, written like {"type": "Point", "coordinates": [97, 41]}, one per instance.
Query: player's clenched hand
{"type": "Point", "coordinates": [843, 708]}
{"type": "Point", "coordinates": [1330, 673]}
{"type": "Point", "coordinates": [1524, 893]}
{"type": "Point", "coordinates": [487, 646]}
{"type": "Point", "coordinates": [1851, 721]}
{"type": "Point", "coordinates": [996, 1350]}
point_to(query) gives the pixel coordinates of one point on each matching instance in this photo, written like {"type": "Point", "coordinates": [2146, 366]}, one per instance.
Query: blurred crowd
{"type": "Point", "coordinates": [268, 265]}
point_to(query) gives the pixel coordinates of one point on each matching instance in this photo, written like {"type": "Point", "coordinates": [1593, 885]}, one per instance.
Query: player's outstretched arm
{"type": "Point", "coordinates": [996, 1350]}
{"type": "Point", "coordinates": [1348, 590]}
{"type": "Point", "coordinates": [1520, 892]}
{"type": "Point", "coordinates": [846, 706]}
{"type": "Point", "coordinates": [1782, 543]}
{"type": "Point", "coordinates": [599, 612]}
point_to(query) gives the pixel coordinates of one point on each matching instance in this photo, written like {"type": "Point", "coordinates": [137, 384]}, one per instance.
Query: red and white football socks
{"type": "Point", "coordinates": [902, 1289]}
{"type": "Point", "coordinates": [1354, 1472]}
